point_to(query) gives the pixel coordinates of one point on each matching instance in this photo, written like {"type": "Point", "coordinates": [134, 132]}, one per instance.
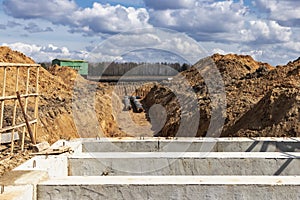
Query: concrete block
{"type": "Point", "coordinates": [171, 187]}
{"type": "Point", "coordinates": [187, 146]}
{"type": "Point", "coordinates": [20, 192]}
{"type": "Point", "coordinates": [247, 146]}
{"type": "Point", "coordinates": [188, 163]}
{"type": "Point", "coordinates": [6, 137]}
{"type": "Point", "coordinates": [40, 146]}
{"type": "Point", "coordinates": [120, 146]}
{"type": "Point", "coordinates": [191, 145]}
{"type": "Point", "coordinates": [55, 166]}
{"type": "Point", "coordinates": [76, 144]}
{"type": "Point", "coordinates": [285, 146]}
{"type": "Point", "coordinates": [21, 185]}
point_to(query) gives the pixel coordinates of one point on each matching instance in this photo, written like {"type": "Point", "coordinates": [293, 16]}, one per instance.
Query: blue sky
{"type": "Point", "coordinates": [268, 30]}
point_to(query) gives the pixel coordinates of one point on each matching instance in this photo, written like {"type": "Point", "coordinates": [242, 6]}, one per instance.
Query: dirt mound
{"type": "Point", "coordinates": [58, 103]}
{"type": "Point", "coordinates": [247, 61]}
{"type": "Point", "coordinates": [277, 113]}
{"type": "Point", "coordinates": [287, 74]}
{"type": "Point", "coordinates": [244, 94]}
{"type": "Point", "coordinates": [234, 67]}
{"type": "Point", "coordinates": [9, 56]}
{"type": "Point", "coordinates": [67, 74]}
{"type": "Point", "coordinates": [56, 100]}
{"type": "Point", "coordinates": [248, 84]}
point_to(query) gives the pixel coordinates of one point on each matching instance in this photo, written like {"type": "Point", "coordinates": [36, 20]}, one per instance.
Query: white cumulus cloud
{"type": "Point", "coordinates": [204, 21]}
{"type": "Point", "coordinates": [286, 12]}
{"type": "Point", "coordinates": [111, 19]}
{"type": "Point", "coordinates": [97, 19]}
{"type": "Point", "coordinates": [56, 11]}
{"type": "Point", "coordinates": [265, 32]}
{"type": "Point", "coordinates": [153, 38]}
{"type": "Point", "coordinates": [169, 4]}
{"type": "Point", "coordinates": [44, 53]}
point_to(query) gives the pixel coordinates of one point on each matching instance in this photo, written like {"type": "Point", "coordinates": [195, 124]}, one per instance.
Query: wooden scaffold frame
{"type": "Point", "coordinates": [32, 92]}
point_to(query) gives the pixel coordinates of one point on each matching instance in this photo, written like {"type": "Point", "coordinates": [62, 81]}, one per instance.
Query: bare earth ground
{"type": "Point", "coordinates": [9, 161]}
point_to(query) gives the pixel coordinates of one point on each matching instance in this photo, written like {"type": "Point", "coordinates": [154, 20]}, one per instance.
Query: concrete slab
{"type": "Point", "coordinates": [23, 177]}
{"type": "Point", "coordinates": [171, 187]}
{"type": "Point", "coordinates": [21, 185]}
{"type": "Point", "coordinates": [55, 166]}
{"type": "Point", "coordinates": [21, 192]}
{"type": "Point", "coordinates": [242, 155]}
{"type": "Point", "coordinates": [188, 163]}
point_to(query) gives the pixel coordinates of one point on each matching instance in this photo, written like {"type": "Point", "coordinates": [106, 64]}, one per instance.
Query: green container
{"type": "Point", "coordinates": [80, 65]}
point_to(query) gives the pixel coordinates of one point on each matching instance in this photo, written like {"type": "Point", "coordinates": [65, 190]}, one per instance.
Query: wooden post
{"type": "Point", "coordinates": [15, 112]}
{"type": "Point", "coordinates": [2, 102]}
{"type": "Point", "coordinates": [26, 119]}
{"type": "Point", "coordinates": [26, 102]}
{"type": "Point", "coordinates": [36, 111]}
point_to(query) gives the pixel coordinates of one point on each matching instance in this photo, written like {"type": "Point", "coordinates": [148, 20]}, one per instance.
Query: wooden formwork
{"type": "Point", "coordinates": [30, 90]}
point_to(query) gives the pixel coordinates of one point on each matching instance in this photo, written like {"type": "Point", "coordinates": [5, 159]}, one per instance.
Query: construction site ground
{"type": "Point", "coordinates": [261, 101]}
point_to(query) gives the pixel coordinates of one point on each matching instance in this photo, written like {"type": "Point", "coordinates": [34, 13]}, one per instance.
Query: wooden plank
{"type": "Point", "coordinates": [15, 110]}
{"type": "Point", "coordinates": [36, 103]}
{"type": "Point", "coordinates": [40, 147]}
{"type": "Point", "coordinates": [24, 110]}
{"type": "Point", "coordinates": [8, 128]}
{"type": "Point", "coordinates": [22, 96]}
{"type": "Point", "coordinates": [50, 151]}
{"type": "Point", "coordinates": [3, 64]}
{"type": "Point", "coordinates": [26, 121]}
{"type": "Point", "coordinates": [2, 103]}
{"type": "Point", "coordinates": [3, 147]}
{"type": "Point", "coordinates": [7, 137]}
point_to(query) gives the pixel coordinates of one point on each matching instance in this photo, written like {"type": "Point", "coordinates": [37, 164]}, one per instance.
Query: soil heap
{"type": "Point", "coordinates": [261, 100]}
{"type": "Point", "coordinates": [56, 101]}
{"type": "Point", "coordinates": [10, 56]}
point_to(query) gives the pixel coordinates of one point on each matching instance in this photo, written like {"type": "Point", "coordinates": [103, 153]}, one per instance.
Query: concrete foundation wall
{"type": "Point", "coordinates": [21, 185]}
{"type": "Point", "coordinates": [55, 166]}
{"type": "Point", "coordinates": [161, 168]}
{"type": "Point", "coordinates": [249, 188]}
{"type": "Point", "coordinates": [20, 192]}
{"type": "Point", "coordinates": [192, 145]}
{"type": "Point", "coordinates": [184, 164]}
